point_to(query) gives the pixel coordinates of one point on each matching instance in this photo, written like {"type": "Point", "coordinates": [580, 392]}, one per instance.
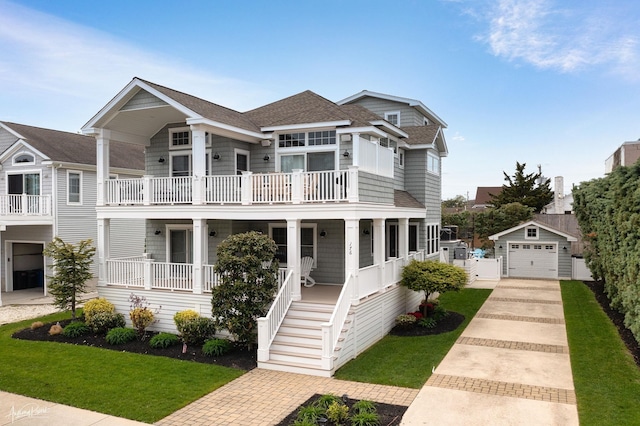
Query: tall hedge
{"type": "Point", "coordinates": [608, 212]}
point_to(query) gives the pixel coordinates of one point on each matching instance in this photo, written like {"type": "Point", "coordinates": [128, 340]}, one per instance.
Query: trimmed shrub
{"type": "Point", "coordinates": [196, 331]}
{"type": "Point", "coordinates": [182, 317]}
{"type": "Point", "coordinates": [96, 306]}
{"type": "Point", "coordinates": [75, 329]}
{"type": "Point", "coordinates": [163, 340]}
{"type": "Point", "coordinates": [102, 322]}
{"type": "Point", "coordinates": [216, 347]}
{"type": "Point", "coordinates": [120, 335]}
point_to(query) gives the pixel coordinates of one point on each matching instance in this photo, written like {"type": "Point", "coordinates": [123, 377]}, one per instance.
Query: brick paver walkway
{"type": "Point", "coordinates": [264, 398]}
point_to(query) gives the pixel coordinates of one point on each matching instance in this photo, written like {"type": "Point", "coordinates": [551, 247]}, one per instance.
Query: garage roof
{"type": "Point", "coordinates": [533, 223]}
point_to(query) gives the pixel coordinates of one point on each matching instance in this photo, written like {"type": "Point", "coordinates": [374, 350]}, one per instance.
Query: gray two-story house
{"type": "Point", "coordinates": [350, 189]}
{"type": "Point", "coordinates": [47, 189]}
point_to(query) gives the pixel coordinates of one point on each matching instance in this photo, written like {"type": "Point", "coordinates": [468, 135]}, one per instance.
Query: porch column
{"type": "Point", "coordinates": [379, 241]}
{"type": "Point", "coordinates": [403, 238]}
{"type": "Point", "coordinates": [199, 158]}
{"type": "Point", "coordinates": [199, 252]}
{"type": "Point", "coordinates": [293, 256]}
{"type": "Point", "coordinates": [102, 249]}
{"type": "Point", "coordinates": [352, 255]}
{"type": "Point", "coordinates": [102, 164]}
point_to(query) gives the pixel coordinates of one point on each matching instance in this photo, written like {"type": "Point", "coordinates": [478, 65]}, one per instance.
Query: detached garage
{"type": "Point", "coordinates": [534, 250]}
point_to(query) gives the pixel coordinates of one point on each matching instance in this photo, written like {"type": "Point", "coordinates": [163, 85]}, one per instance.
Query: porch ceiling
{"type": "Point", "coordinates": [144, 122]}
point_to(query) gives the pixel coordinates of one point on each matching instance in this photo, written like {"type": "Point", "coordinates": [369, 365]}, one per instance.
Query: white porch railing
{"type": "Point", "coordinates": [248, 188]}
{"type": "Point", "coordinates": [25, 205]}
{"type": "Point", "coordinates": [269, 324]}
{"type": "Point", "coordinates": [331, 330]}
{"type": "Point", "coordinates": [128, 272]}
{"type": "Point", "coordinates": [375, 158]}
{"type": "Point", "coordinates": [172, 276]}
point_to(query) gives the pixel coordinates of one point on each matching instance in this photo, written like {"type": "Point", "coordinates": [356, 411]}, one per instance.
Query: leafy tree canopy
{"type": "Point", "coordinates": [431, 276]}
{"type": "Point", "coordinates": [527, 189]}
{"type": "Point", "coordinates": [492, 221]}
{"type": "Point", "coordinates": [457, 201]}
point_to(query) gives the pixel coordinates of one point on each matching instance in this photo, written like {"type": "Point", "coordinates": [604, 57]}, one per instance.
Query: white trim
{"type": "Point", "coordinates": [8, 265]}
{"type": "Point", "coordinates": [80, 191]}
{"type": "Point", "coordinates": [23, 172]}
{"type": "Point", "coordinates": [433, 157]}
{"type": "Point", "coordinates": [237, 151]}
{"type": "Point", "coordinates": [533, 223]}
{"type": "Point", "coordinates": [26, 163]}
{"type": "Point", "coordinates": [168, 227]}
{"type": "Point", "coordinates": [396, 113]}
{"type": "Point", "coordinates": [391, 128]}
{"type": "Point", "coordinates": [21, 144]}
{"type": "Point", "coordinates": [317, 125]}
{"type": "Point", "coordinates": [532, 238]}
{"type": "Point", "coordinates": [174, 130]}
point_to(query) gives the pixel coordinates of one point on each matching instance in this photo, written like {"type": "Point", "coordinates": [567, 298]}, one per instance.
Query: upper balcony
{"type": "Point", "coordinates": [25, 208]}
{"type": "Point", "coordinates": [246, 189]}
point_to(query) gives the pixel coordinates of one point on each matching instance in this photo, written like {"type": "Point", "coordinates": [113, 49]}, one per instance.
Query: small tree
{"type": "Point", "coordinates": [248, 268]}
{"type": "Point", "coordinates": [432, 277]}
{"type": "Point", "coordinates": [72, 269]}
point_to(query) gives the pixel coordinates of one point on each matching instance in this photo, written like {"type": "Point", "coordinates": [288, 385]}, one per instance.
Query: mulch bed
{"type": "Point", "coordinates": [448, 323]}
{"type": "Point", "coordinates": [237, 358]}
{"type": "Point", "coordinates": [389, 415]}
{"type": "Point", "coordinates": [597, 287]}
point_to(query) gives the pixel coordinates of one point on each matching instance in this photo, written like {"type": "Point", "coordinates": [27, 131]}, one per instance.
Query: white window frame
{"type": "Point", "coordinates": [531, 228]}
{"type": "Point", "coordinates": [388, 113]}
{"type": "Point", "coordinates": [167, 238]}
{"type": "Point", "coordinates": [80, 181]}
{"type": "Point", "coordinates": [189, 153]}
{"type": "Point", "coordinates": [433, 238]}
{"type": "Point", "coordinates": [433, 164]}
{"type": "Point", "coordinates": [401, 158]}
{"type": "Point", "coordinates": [174, 130]}
{"type": "Point", "coordinates": [26, 163]}
{"type": "Point", "coordinates": [23, 172]}
{"type": "Point", "coordinates": [314, 226]}
{"type": "Point", "coordinates": [237, 151]}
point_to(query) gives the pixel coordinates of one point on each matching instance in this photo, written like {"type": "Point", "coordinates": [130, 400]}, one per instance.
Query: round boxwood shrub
{"type": "Point", "coordinates": [95, 306]}
{"type": "Point", "coordinates": [102, 322]}
{"type": "Point", "coordinates": [75, 329]}
{"type": "Point", "coordinates": [216, 347]}
{"type": "Point", "coordinates": [163, 340]}
{"type": "Point", "coordinates": [120, 335]}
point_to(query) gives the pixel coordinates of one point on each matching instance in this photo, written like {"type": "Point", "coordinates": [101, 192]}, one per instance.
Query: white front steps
{"type": "Point", "coordinates": [297, 346]}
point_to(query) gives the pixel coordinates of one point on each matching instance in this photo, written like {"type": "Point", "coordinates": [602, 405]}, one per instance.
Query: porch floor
{"type": "Point", "coordinates": [321, 293]}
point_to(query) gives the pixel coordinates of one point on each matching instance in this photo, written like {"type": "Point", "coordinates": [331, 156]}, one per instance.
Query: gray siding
{"type": "Point", "coordinates": [375, 189]}
{"type": "Point", "coordinates": [408, 115]}
{"type": "Point", "coordinates": [143, 99]}
{"type": "Point", "coordinates": [38, 167]}
{"type": "Point", "coordinates": [6, 139]}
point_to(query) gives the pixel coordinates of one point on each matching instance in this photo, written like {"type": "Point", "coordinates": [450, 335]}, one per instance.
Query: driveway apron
{"type": "Point", "coordinates": [509, 367]}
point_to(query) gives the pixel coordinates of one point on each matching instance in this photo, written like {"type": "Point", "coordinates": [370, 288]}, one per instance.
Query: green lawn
{"type": "Point", "coordinates": [407, 361]}
{"type": "Point", "coordinates": [140, 387]}
{"type": "Point", "coordinates": [606, 379]}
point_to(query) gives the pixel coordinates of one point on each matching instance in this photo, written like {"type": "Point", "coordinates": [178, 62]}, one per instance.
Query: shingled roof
{"type": "Point", "coordinates": [421, 134]}
{"type": "Point", "coordinates": [404, 199]}
{"type": "Point", "coordinates": [75, 148]}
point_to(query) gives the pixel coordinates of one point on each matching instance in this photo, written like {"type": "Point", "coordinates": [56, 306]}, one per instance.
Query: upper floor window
{"type": "Point", "coordinates": [74, 187]}
{"type": "Point", "coordinates": [24, 159]}
{"type": "Point", "coordinates": [433, 163]}
{"type": "Point", "coordinates": [401, 158]}
{"type": "Point", "coordinates": [292, 140]}
{"type": "Point", "coordinates": [179, 137]}
{"type": "Point", "coordinates": [393, 117]}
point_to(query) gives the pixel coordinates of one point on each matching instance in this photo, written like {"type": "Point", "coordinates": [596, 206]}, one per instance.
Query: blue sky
{"type": "Point", "coordinates": [546, 82]}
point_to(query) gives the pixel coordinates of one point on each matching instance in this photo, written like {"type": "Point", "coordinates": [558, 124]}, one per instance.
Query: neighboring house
{"type": "Point", "coordinates": [534, 250]}
{"type": "Point", "coordinates": [355, 185]}
{"type": "Point", "coordinates": [626, 155]}
{"type": "Point", "coordinates": [49, 190]}
{"type": "Point", "coordinates": [561, 204]}
{"type": "Point", "coordinates": [484, 196]}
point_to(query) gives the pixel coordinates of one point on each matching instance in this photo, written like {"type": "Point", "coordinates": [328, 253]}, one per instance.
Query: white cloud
{"type": "Point", "coordinates": [47, 60]}
{"type": "Point", "coordinates": [547, 36]}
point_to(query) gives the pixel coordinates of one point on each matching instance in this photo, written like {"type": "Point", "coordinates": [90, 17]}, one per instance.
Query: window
{"type": "Point", "coordinates": [433, 239]}
{"type": "Point", "coordinates": [179, 137]}
{"type": "Point", "coordinates": [401, 158]}
{"type": "Point", "coordinates": [393, 117]}
{"type": "Point", "coordinates": [308, 241]}
{"type": "Point", "coordinates": [413, 237]}
{"type": "Point", "coordinates": [549, 247]}
{"type": "Point", "coordinates": [433, 163]}
{"type": "Point", "coordinates": [526, 247]}
{"type": "Point", "coordinates": [24, 183]}
{"type": "Point", "coordinates": [310, 162]}
{"type": "Point", "coordinates": [181, 165]}
{"type": "Point", "coordinates": [531, 233]}
{"type": "Point", "coordinates": [289, 140]}
{"type": "Point", "coordinates": [180, 243]}
{"type": "Point", "coordinates": [24, 159]}
{"type": "Point", "coordinates": [74, 186]}
{"type": "Point", "coordinates": [537, 247]}
{"type": "Point", "coordinates": [327, 137]}
{"type": "Point", "coordinates": [515, 246]}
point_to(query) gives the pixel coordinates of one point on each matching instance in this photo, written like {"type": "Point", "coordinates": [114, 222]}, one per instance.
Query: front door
{"type": "Point", "coordinates": [180, 245]}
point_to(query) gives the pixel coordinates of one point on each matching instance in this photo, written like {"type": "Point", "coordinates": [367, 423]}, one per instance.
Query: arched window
{"type": "Point", "coordinates": [24, 158]}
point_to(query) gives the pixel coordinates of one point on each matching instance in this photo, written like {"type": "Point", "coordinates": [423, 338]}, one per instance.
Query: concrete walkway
{"type": "Point", "coordinates": [509, 367]}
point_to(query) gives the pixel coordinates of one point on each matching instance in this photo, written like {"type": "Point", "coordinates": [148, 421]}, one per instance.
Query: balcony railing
{"type": "Point", "coordinates": [25, 205]}
{"type": "Point", "coordinates": [248, 188]}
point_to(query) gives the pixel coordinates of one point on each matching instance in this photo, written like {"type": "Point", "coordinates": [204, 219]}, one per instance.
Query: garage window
{"type": "Point", "coordinates": [526, 247]}
{"type": "Point", "coordinates": [549, 247]}
{"type": "Point", "coordinates": [515, 246]}
{"type": "Point", "coordinates": [537, 247]}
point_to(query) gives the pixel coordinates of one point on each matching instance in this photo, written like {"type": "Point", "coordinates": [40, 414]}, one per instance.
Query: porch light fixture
{"type": "Point", "coordinates": [323, 233]}
{"type": "Point", "coordinates": [500, 246]}
{"type": "Point", "coordinates": [158, 232]}
{"type": "Point", "coordinates": [564, 248]}
{"type": "Point", "coordinates": [161, 160]}
{"type": "Point", "coordinates": [216, 156]}
{"type": "Point", "coordinates": [266, 157]}
{"type": "Point", "coordinates": [366, 231]}
{"type": "Point", "coordinates": [346, 154]}
{"type": "Point", "coordinates": [212, 233]}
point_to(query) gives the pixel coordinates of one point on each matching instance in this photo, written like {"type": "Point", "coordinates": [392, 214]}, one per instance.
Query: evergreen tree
{"type": "Point", "coordinates": [531, 190]}
{"type": "Point", "coordinates": [72, 266]}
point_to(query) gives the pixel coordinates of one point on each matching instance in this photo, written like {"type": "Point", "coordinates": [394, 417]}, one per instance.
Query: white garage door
{"type": "Point", "coordinates": [533, 260]}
